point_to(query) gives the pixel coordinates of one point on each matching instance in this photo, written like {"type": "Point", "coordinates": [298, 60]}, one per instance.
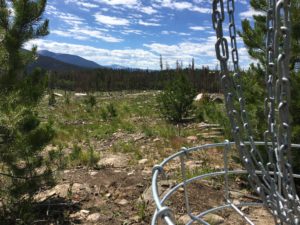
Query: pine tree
{"type": "Point", "coordinates": [23, 24]}
{"type": "Point", "coordinates": [23, 134]}
{"type": "Point", "coordinates": [176, 101]}
{"type": "Point", "coordinates": [254, 36]}
{"type": "Point", "coordinates": [161, 63]}
{"type": "Point", "coordinates": [193, 64]}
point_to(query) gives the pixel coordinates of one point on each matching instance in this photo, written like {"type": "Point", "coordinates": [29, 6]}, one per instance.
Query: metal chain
{"type": "Point", "coordinates": [228, 87]}
{"type": "Point", "coordinates": [277, 174]}
{"type": "Point", "coordinates": [282, 56]}
{"type": "Point", "coordinates": [271, 133]}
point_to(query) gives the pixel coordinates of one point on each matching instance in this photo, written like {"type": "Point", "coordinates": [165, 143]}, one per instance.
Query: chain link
{"type": "Point", "coordinates": [276, 185]}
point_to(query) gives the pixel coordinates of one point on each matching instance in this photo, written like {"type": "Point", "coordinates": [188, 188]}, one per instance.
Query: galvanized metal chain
{"type": "Point", "coordinates": [282, 93]}
{"type": "Point", "coordinates": [275, 186]}
{"type": "Point", "coordinates": [233, 91]}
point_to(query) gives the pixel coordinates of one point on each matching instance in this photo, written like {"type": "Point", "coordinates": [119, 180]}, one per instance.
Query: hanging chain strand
{"type": "Point", "coordinates": [282, 57]}
{"type": "Point", "coordinates": [276, 185]}
{"type": "Point", "coordinates": [228, 86]}
{"type": "Point", "coordinates": [270, 135]}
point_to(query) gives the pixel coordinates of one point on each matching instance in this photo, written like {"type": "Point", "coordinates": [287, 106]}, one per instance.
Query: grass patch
{"type": "Point", "coordinates": [79, 157]}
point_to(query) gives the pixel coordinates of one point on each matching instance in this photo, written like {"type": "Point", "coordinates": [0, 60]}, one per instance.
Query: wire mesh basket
{"type": "Point", "coordinates": [165, 212]}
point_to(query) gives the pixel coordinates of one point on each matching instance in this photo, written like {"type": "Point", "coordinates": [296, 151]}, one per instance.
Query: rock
{"type": "Point", "coordinates": [156, 140]}
{"type": "Point", "coordinates": [93, 217]}
{"type": "Point", "coordinates": [213, 219]}
{"type": "Point", "coordinates": [123, 202]}
{"type": "Point", "coordinates": [146, 172]}
{"type": "Point", "coordinates": [80, 192]}
{"type": "Point", "coordinates": [184, 219]}
{"type": "Point", "coordinates": [236, 202]}
{"type": "Point", "coordinates": [80, 94]}
{"type": "Point", "coordinates": [130, 173]}
{"type": "Point", "coordinates": [236, 194]}
{"type": "Point", "coordinates": [135, 219]}
{"type": "Point", "coordinates": [57, 94]}
{"type": "Point", "coordinates": [245, 209]}
{"type": "Point", "coordinates": [108, 195]}
{"type": "Point", "coordinates": [139, 185]}
{"type": "Point", "coordinates": [167, 183]}
{"type": "Point", "coordinates": [198, 97]}
{"type": "Point", "coordinates": [181, 189]}
{"type": "Point", "coordinates": [217, 98]}
{"type": "Point", "coordinates": [143, 161]}
{"type": "Point", "coordinates": [77, 216]}
{"type": "Point", "coordinates": [203, 125]}
{"type": "Point", "coordinates": [93, 173]}
{"type": "Point", "coordinates": [163, 187]}
{"type": "Point", "coordinates": [116, 161]}
{"type": "Point", "coordinates": [84, 211]}
{"type": "Point", "coordinates": [62, 190]}
{"type": "Point", "coordinates": [43, 196]}
{"type": "Point", "coordinates": [138, 137]}
{"type": "Point", "coordinates": [81, 215]}
{"type": "Point", "coordinates": [191, 139]}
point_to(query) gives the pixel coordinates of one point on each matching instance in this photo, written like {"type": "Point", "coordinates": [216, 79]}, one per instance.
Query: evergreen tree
{"type": "Point", "coordinates": [161, 63]}
{"type": "Point", "coordinates": [193, 64]}
{"type": "Point", "coordinates": [23, 24]}
{"type": "Point", "coordinates": [254, 36]}
{"type": "Point", "coordinates": [176, 101]}
{"type": "Point", "coordinates": [23, 134]}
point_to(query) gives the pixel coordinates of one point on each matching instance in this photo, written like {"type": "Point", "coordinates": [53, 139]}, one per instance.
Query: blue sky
{"type": "Point", "coordinates": [135, 33]}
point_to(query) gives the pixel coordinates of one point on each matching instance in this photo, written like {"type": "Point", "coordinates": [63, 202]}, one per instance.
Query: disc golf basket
{"type": "Point", "coordinates": [272, 181]}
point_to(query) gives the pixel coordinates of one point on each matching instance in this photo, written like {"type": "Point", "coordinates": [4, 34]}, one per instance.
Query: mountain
{"type": "Point", "coordinates": [71, 59]}
{"type": "Point", "coordinates": [117, 67]}
{"type": "Point", "coordinates": [48, 63]}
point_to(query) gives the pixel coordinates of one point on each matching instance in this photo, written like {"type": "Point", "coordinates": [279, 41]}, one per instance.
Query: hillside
{"type": "Point", "coordinates": [70, 59]}
{"type": "Point", "coordinates": [52, 64]}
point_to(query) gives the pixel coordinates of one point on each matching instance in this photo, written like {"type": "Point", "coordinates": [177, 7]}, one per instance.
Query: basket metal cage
{"type": "Point", "coordinates": [165, 213]}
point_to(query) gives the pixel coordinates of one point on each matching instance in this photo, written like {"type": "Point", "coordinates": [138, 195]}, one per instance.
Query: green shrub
{"type": "Point", "coordinates": [84, 158]}
{"type": "Point", "coordinates": [108, 112]}
{"type": "Point", "coordinates": [176, 101]}
{"type": "Point", "coordinates": [103, 113]}
{"type": "Point", "coordinates": [112, 111]}
{"type": "Point", "coordinates": [67, 99]}
{"type": "Point", "coordinates": [52, 100]}
{"type": "Point", "coordinates": [91, 101]}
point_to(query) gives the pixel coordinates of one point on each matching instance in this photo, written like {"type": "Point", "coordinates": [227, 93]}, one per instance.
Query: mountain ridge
{"type": "Point", "coordinates": [71, 59]}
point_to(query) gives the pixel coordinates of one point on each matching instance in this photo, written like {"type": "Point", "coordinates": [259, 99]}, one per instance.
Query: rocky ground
{"type": "Point", "coordinates": [117, 191]}
{"type": "Point", "coordinates": [115, 187]}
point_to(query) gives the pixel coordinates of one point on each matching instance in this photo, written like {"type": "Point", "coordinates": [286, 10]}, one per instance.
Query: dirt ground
{"type": "Point", "coordinates": [119, 193]}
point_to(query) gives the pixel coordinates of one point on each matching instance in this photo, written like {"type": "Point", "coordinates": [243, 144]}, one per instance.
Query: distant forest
{"type": "Point", "coordinates": [106, 79]}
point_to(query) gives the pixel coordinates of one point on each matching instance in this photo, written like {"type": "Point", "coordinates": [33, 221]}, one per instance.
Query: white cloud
{"type": "Point", "coordinates": [203, 52]}
{"type": "Point", "coordinates": [198, 28]}
{"type": "Point", "coordinates": [65, 17]}
{"type": "Point", "coordinates": [132, 31]}
{"type": "Point", "coordinates": [144, 23]}
{"type": "Point", "coordinates": [175, 5]}
{"type": "Point", "coordinates": [244, 2]}
{"type": "Point", "coordinates": [148, 10]}
{"type": "Point", "coordinates": [250, 13]}
{"type": "Point", "coordinates": [135, 58]}
{"type": "Point", "coordinates": [127, 3]}
{"type": "Point", "coordinates": [167, 32]}
{"type": "Point", "coordinates": [85, 33]}
{"type": "Point", "coordinates": [110, 20]}
{"type": "Point", "coordinates": [82, 4]}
